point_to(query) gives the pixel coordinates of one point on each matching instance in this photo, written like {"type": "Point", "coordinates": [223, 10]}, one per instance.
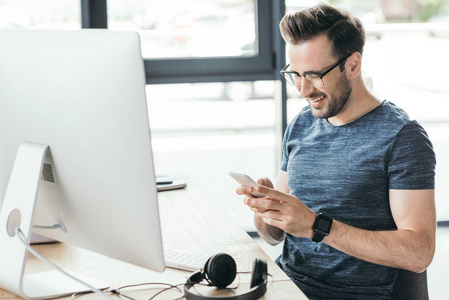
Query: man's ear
{"type": "Point", "coordinates": [354, 64]}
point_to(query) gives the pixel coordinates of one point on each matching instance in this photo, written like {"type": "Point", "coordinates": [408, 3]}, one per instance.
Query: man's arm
{"type": "Point", "coordinates": [410, 247]}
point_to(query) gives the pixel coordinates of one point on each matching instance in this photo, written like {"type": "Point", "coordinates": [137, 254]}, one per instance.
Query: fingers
{"type": "Point", "coordinates": [274, 222]}
{"type": "Point", "coordinates": [244, 190]}
{"type": "Point", "coordinates": [270, 215]}
{"type": "Point", "coordinates": [274, 194]}
{"type": "Point", "coordinates": [262, 204]}
{"type": "Point", "coordinates": [265, 181]}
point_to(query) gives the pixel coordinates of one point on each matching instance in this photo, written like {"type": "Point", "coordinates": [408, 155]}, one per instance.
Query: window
{"type": "Point", "coordinates": [195, 28]}
{"type": "Point", "coordinates": [203, 41]}
{"type": "Point", "coordinates": [40, 14]}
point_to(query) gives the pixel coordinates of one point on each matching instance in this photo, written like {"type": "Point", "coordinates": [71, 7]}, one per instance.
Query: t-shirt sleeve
{"type": "Point", "coordinates": [284, 148]}
{"type": "Point", "coordinates": [411, 160]}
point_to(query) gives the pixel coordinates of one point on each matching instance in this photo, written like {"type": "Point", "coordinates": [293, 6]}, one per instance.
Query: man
{"type": "Point", "coordinates": [354, 199]}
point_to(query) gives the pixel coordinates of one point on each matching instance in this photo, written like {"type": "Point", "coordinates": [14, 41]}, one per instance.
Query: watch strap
{"type": "Point", "coordinates": [318, 237]}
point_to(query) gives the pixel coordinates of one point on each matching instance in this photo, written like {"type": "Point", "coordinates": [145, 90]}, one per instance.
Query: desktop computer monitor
{"type": "Point", "coordinates": [81, 96]}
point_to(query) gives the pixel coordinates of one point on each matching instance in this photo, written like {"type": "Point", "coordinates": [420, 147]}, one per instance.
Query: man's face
{"type": "Point", "coordinates": [327, 101]}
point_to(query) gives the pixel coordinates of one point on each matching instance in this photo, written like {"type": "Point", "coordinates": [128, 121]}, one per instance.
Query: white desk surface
{"type": "Point", "coordinates": [190, 221]}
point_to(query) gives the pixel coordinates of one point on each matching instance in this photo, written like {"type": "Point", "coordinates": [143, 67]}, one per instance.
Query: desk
{"type": "Point", "coordinates": [190, 221]}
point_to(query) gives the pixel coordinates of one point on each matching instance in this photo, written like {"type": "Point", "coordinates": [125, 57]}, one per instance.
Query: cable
{"type": "Point", "coordinates": [170, 286]}
{"type": "Point", "coordinates": [22, 239]}
{"type": "Point", "coordinates": [119, 293]}
{"type": "Point", "coordinates": [79, 294]}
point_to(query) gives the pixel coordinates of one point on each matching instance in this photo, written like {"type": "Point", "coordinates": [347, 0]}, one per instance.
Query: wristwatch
{"type": "Point", "coordinates": [322, 227]}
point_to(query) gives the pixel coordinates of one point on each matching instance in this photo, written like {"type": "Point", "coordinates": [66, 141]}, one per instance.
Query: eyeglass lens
{"type": "Point", "coordinates": [312, 79]}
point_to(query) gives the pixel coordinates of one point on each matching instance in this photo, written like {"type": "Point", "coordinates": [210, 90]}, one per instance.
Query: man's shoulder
{"type": "Point", "coordinates": [391, 113]}
{"type": "Point", "coordinates": [392, 123]}
{"type": "Point", "coordinates": [387, 117]}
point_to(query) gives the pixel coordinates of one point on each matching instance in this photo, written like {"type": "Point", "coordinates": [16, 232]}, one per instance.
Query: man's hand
{"type": "Point", "coordinates": [270, 234]}
{"type": "Point", "coordinates": [283, 211]}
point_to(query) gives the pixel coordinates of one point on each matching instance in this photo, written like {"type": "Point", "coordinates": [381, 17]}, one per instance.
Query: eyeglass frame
{"type": "Point", "coordinates": [320, 75]}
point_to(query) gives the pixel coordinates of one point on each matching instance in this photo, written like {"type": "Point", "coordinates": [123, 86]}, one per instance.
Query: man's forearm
{"type": "Point", "coordinates": [403, 249]}
{"type": "Point", "coordinates": [272, 235]}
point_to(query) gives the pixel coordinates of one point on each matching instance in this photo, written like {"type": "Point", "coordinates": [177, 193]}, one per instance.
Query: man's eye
{"type": "Point", "coordinates": [312, 76]}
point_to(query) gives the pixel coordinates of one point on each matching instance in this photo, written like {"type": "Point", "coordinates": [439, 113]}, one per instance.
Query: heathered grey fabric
{"type": "Point", "coordinates": [346, 173]}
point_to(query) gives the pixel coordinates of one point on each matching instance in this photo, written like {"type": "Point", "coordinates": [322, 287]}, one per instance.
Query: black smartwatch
{"type": "Point", "coordinates": [322, 227]}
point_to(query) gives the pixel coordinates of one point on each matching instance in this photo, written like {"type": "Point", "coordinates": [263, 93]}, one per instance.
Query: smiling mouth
{"type": "Point", "coordinates": [317, 101]}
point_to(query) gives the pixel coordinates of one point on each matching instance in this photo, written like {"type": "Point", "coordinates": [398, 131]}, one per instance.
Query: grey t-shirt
{"type": "Point", "coordinates": [346, 172]}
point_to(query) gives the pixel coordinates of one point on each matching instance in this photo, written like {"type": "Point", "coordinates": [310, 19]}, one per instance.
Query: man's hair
{"type": "Point", "coordinates": [345, 32]}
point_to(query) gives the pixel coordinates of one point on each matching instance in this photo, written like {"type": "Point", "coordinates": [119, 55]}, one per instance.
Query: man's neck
{"type": "Point", "coordinates": [360, 102]}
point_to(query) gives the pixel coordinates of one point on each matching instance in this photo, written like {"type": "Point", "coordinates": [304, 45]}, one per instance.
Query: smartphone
{"type": "Point", "coordinates": [245, 180]}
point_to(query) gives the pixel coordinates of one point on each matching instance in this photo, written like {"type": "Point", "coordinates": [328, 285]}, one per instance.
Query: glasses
{"type": "Point", "coordinates": [315, 79]}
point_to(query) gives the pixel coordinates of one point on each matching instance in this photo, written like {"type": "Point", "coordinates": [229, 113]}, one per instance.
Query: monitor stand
{"type": "Point", "coordinates": [18, 208]}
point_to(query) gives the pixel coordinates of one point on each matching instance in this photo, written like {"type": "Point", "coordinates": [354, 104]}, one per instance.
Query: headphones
{"type": "Point", "coordinates": [220, 271]}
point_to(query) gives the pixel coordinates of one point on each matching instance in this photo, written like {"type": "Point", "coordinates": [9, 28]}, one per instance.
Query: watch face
{"type": "Point", "coordinates": [323, 225]}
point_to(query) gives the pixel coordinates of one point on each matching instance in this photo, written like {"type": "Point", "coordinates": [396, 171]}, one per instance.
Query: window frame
{"type": "Point", "coordinates": [219, 69]}
{"type": "Point", "coordinates": [265, 65]}
{"type": "Point", "coordinates": [262, 66]}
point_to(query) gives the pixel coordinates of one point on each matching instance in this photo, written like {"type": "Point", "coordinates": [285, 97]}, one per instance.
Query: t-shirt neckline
{"type": "Point", "coordinates": [358, 119]}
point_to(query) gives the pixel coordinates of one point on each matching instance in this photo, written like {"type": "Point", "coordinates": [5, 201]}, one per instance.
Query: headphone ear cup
{"type": "Point", "coordinates": [220, 270]}
{"type": "Point", "coordinates": [260, 272]}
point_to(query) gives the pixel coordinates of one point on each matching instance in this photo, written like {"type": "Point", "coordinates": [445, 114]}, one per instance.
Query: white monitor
{"type": "Point", "coordinates": [80, 94]}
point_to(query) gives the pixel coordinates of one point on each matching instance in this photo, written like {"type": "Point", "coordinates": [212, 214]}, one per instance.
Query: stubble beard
{"type": "Point", "coordinates": [336, 100]}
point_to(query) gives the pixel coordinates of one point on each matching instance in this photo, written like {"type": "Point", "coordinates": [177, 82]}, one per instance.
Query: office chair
{"type": "Point", "coordinates": [410, 285]}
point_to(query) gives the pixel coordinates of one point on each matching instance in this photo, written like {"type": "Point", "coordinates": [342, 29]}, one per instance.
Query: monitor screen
{"type": "Point", "coordinates": [82, 93]}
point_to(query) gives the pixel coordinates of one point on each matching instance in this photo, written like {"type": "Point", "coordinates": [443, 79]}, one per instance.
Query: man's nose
{"type": "Point", "coordinates": [304, 87]}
